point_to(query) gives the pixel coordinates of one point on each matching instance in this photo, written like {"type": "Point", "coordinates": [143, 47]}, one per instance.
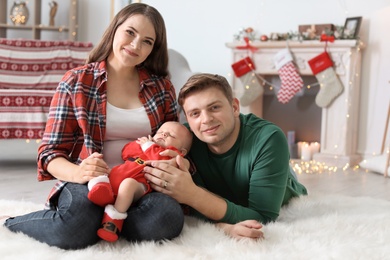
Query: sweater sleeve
{"type": "Point", "coordinates": [267, 182]}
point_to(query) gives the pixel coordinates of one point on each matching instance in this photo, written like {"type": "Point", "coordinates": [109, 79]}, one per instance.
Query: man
{"type": "Point", "coordinates": [243, 176]}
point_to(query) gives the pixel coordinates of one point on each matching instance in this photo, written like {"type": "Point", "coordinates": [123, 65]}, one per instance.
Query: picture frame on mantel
{"type": "Point", "coordinates": [351, 27]}
{"type": "Point", "coordinates": [117, 5]}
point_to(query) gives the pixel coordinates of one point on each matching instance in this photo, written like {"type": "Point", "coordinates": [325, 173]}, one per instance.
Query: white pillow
{"type": "Point", "coordinates": [376, 164]}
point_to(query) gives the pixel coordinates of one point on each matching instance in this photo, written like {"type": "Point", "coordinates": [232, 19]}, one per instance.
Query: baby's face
{"type": "Point", "coordinates": [170, 134]}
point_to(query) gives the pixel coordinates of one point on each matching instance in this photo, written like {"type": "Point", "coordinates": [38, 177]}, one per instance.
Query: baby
{"type": "Point", "coordinates": [126, 182]}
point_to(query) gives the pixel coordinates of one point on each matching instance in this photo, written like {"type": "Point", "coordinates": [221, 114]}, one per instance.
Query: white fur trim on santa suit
{"type": "Point", "coordinates": [145, 146]}
{"type": "Point", "coordinates": [96, 180]}
{"type": "Point", "coordinates": [113, 213]}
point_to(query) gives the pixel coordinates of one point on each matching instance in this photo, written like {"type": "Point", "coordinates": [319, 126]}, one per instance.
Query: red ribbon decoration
{"type": "Point", "coordinates": [247, 46]}
{"type": "Point", "coordinates": [327, 38]}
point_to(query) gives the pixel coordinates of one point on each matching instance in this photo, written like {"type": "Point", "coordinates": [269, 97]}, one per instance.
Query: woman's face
{"type": "Point", "coordinates": [133, 41]}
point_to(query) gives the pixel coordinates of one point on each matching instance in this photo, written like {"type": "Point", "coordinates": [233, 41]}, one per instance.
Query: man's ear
{"type": "Point", "coordinates": [236, 105]}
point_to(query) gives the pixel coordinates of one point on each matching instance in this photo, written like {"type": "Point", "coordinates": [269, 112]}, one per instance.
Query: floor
{"type": "Point", "coordinates": [18, 168]}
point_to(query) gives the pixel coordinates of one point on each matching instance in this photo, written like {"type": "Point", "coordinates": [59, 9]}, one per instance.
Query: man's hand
{"type": "Point", "coordinates": [174, 180]}
{"type": "Point", "coordinates": [173, 161]}
{"type": "Point", "coordinates": [245, 229]}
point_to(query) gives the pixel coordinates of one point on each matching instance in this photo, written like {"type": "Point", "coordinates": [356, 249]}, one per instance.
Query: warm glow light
{"type": "Point", "coordinates": [314, 167]}
{"type": "Point", "coordinates": [346, 167]}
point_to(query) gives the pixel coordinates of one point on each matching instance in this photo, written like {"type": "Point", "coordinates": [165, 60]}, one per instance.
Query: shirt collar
{"type": "Point", "coordinates": [146, 79]}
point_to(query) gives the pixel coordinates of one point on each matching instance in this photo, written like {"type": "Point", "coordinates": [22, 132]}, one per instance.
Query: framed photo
{"type": "Point", "coordinates": [351, 27]}
{"type": "Point", "coordinates": [117, 5]}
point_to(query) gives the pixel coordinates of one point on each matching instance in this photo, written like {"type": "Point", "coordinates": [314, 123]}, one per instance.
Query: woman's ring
{"type": "Point", "coordinates": [165, 184]}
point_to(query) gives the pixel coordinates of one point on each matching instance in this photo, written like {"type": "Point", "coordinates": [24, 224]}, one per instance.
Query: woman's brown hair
{"type": "Point", "coordinates": [157, 62]}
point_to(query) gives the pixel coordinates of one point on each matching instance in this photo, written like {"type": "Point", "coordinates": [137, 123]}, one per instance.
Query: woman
{"type": "Point", "coordinates": [120, 94]}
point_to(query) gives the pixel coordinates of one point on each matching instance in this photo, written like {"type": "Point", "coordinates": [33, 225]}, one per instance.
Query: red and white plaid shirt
{"type": "Point", "coordinates": [77, 118]}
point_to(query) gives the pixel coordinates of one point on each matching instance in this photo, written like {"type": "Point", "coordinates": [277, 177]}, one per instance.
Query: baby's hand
{"type": "Point", "coordinates": [144, 139]}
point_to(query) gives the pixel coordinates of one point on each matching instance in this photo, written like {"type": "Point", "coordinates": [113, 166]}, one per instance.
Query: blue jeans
{"type": "Point", "coordinates": [74, 224]}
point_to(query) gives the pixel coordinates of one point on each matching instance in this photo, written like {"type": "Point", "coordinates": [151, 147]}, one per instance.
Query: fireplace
{"type": "Point", "coordinates": [339, 121]}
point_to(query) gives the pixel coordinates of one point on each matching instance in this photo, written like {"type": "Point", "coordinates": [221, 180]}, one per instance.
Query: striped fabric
{"type": "Point", "coordinates": [30, 71]}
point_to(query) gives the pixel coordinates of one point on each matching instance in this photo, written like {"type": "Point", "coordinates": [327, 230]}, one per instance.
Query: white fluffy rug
{"type": "Point", "coordinates": [312, 227]}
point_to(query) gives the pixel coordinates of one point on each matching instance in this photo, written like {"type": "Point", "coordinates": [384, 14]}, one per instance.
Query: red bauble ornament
{"type": "Point", "coordinates": [264, 38]}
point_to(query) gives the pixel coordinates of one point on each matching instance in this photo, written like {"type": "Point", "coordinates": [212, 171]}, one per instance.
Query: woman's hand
{"type": "Point", "coordinates": [245, 229]}
{"type": "Point", "coordinates": [91, 167]}
{"type": "Point", "coordinates": [174, 181]}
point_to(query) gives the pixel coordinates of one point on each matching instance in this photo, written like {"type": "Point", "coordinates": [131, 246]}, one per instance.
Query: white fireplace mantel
{"type": "Point", "coordinates": [339, 123]}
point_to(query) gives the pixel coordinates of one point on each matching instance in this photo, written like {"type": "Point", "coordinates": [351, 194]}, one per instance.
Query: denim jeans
{"type": "Point", "coordinates": [74, 224]}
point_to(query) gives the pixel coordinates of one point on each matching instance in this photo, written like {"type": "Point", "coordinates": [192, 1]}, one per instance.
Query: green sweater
{"type": "Point", "coordinates": [253, 176]}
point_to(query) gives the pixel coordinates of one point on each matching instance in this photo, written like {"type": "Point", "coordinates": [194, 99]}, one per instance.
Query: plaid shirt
{"type": "Point", "coordinates": [77, 118]}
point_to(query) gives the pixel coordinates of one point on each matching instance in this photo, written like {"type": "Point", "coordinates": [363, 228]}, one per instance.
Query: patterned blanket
{"type": "Point", "coordinates": [30, 71]}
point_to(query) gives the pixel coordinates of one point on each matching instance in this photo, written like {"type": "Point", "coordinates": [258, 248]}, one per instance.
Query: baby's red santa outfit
{"type": "Point", "coordinates": [103, 189]}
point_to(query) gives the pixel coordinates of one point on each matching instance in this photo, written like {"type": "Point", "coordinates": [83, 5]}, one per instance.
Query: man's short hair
{"type": "Point", "coordinates": [202, 81]}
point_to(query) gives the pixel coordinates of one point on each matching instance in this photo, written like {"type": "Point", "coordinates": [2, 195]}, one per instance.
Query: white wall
{"type": "Point", "coordinates": [199, 29]}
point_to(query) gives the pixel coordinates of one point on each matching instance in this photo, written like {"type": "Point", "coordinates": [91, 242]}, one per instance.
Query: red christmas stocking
{"type": "Point", "coordinates": [330, 85]}
{"type": "Point", "coordinates": [289, 76]}
{"type": "Point", "coordinates": [245, 71]}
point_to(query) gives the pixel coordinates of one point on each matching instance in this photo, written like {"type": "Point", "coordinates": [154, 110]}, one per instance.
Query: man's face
{"type": "Point", "coordinates": [212, 118]}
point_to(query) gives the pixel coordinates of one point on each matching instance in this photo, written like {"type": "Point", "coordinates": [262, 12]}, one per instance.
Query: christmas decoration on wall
{"type": "Point", "coordinates": [247, 45]}
{"type": "Point", "coordinates": [314, 31]}
{"type": "Point", "coordinates": [330, 85]}
{"type": "Point", "coordinates": [291, 81]}
{"type": "Point", "coordinates": [245, 70]}
{"type": "Point", "coordinates": [243, 33]}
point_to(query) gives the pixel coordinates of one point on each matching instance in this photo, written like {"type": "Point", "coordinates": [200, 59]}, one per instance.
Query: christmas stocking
{"type": "Point", "coordinates": [330, 85]}
{"type": "Point", "coordinates": [291, 81]}
{"type": "Point", "coordinates": [245, 71]}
